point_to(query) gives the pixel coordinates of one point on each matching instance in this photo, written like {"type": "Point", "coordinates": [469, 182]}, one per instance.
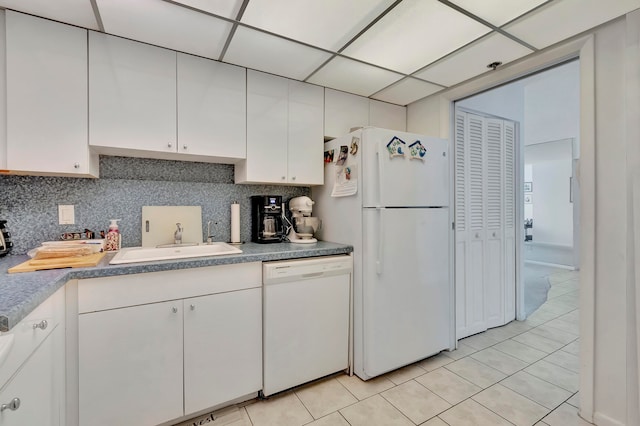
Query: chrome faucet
{"type": "Point", "coordinates": [209, 239]}
{"type": "Point", "coordinates": [177, 236]}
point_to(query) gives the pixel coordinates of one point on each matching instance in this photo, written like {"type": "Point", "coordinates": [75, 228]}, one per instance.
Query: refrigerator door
{"type": "Point", "coordinates": [402, 181]}
{"type": "Point", "coordinates": [405, 284]}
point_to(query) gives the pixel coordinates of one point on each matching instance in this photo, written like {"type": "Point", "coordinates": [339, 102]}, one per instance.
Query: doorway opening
{"type": "Point", "coordinates": [546, 108]}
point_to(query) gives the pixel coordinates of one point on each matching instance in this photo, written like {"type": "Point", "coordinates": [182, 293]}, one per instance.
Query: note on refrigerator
{"type": "Point", "coordinates": [346, 183]}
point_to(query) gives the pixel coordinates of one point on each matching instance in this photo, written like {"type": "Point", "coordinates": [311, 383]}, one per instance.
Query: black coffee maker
{"type": "Point", "coordinates": [266, 219]}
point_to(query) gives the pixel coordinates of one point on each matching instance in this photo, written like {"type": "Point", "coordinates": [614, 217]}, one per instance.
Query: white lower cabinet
{"type": "Point", "coordinates": [31, 362]}
{"type": "Point", "coordinates": [145, 360]}
{"type": "Point", "coordinates": [131, 365]}
{"type": "Point", "coordinates": [29, 397]}
{"type": "Point", "coordinates": [222, 348]}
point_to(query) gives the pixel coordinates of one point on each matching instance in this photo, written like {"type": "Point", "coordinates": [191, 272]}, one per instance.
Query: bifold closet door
{"type": "Point", "coordinates": [484, 196]}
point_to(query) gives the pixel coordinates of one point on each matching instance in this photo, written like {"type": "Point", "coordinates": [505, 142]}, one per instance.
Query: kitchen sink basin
{"type": "Point", "coordinates": [150, 254]}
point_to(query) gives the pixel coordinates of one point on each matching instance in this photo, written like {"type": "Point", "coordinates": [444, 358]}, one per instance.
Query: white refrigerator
{"type": "Point", "coordinates": [392, 204]}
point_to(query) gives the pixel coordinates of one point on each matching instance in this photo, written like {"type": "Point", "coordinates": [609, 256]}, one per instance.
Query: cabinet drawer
{"type": "Point", "coordinates": [97, 294]}
{"type": "Point", "coordinates": [17, 344]}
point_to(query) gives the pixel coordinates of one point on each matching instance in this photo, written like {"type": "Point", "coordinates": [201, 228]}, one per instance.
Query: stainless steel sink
{"type": "Point", "coordinates": [150, 254]}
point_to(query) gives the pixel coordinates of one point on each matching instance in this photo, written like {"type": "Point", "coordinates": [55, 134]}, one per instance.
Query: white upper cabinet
{"type": "Point", "coordinates": [47, 97]}
{"type": "Point", "coordinates": [267, 129]}
{"type": "Point", "coordinates": [212, 108]}
{"type": "Point", "coordinates": [306, 111]}
{"type": "Point", "coordinates": [387, 116]}
{"type": "Point", "coordinates": [284, 132]}
{"type": "Point", "coordinates": [132, 95]}
{"type": "Point", "coordinates": [343, 111]}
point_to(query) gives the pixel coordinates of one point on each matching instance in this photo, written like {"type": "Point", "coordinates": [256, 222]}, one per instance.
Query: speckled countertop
{"type": "Point", "coordinates": [21, 293]}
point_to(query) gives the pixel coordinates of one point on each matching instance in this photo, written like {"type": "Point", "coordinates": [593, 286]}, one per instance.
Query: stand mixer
{"type": "Point", "coordinates": [303, 226]}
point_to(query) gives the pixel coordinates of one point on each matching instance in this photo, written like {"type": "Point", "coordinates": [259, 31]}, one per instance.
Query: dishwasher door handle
{"type": "Point", "coordinates": [312, 275]}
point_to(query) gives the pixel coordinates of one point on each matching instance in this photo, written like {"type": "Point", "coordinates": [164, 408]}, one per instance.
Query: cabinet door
{"type": "Point", "coordinates": [222, 347]}
{"type": "Point", "coordinates": [130, 365]}
{"type": "Point", "coordinates": [46, 96]}
{"type": "Point", "coordinates": [342, 111]}
{"type": "Point", "coordinates": [132, 94]}
{"type": "Point", "coordinates": [34, 387]}
{"type": "Point", "coordinates": [387, 116]}
{"type": "Point", "coordinates": [212, 108]}
{"type": "Point", "coordinates": [267, 128]}
{"type": "Point", "coordinates": [306, 142]}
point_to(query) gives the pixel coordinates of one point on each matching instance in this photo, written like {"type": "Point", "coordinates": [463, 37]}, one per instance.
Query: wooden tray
{"type": "Point", "coordinates": [60, 262]}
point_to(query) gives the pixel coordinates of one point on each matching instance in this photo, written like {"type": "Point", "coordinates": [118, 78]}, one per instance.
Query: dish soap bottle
{"type": "Point", "coordinates": [114, 240]}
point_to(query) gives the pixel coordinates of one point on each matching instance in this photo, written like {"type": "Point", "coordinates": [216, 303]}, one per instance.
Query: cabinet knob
{"type": "Point", "coordinates": [477, 235]}
{"type": "Point", "coordinates": [174, 310]}
{"type": "Point", "coordinates": [193, 307]}
{"type": "Point", "coordinates": [494, 235]}
{"type": "Point", "coordinates": [293, 178]}
{"type": "Point", "coordinates": [284, 177]}
{"type": "Point", "coordinates": [13, 405]}
{"type": "Point", "coordinates": [184, 147]}
{"type": "Point", "coordinates": [41, 325]}
{"type": "Point", "coordinates": [76, 165]}
{"type": "Point", "coordinates": [170, 145]}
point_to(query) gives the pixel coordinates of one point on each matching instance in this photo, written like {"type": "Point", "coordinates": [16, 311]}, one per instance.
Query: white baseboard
{"type": "Point", "coordinates": [600, 419]}
{"type": "Point", "coordinates": [554, 265]}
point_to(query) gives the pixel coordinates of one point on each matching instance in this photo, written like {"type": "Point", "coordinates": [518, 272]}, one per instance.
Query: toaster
{"type": "Point", "coordinates": [5, 238]}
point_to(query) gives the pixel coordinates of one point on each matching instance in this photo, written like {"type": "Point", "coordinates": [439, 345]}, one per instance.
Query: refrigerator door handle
{"type": "Point", "coordinates": [380, 241]}
{"type": "Point", "coordinates": [380, 177]}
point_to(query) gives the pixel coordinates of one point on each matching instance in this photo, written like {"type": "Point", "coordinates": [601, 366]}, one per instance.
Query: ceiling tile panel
{"type": "Point", "coordinates": [562, 19]}
{"type": "Point", "coordinates": [164, 24]}
{"type": "Point", "coordinates": [329, 24]}
{"type": "Point", "coordinates": [473, 60]}
{"type": "Point", "coordinates": [264, 52]}
{"type": "Point", "coordinates": [406, 91]}
{"type": "Point", "coordinates": [75, 12]}
{"type": "Point", "coordinates": [353, 76]}
{"type": "Point", "coordinates": [414, 34]}
{"type": "Point", "coordinates": [227, 8]}
{"type": "Point", "coordinates": [498, 12]}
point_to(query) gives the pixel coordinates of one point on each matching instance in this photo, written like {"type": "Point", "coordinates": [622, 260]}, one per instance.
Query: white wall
{"type": "Point", "coordinates": [3, 94]}
{"type": "Point", "coordinates": [552, 104]}
{"type": "Point", "coordinates": [505, 101]}
{"type": "Point", "coordinates": [528, 177]}
{"type": "Point", "coordinates": [611, 197]}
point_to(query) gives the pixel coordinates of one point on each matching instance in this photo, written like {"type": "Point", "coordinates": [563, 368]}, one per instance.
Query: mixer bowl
{"type": "Point", "coordinates": [306, 226]}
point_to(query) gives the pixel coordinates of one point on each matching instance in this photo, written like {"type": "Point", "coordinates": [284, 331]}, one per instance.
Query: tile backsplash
{"type": "Point", "coordinates": [30, 203]}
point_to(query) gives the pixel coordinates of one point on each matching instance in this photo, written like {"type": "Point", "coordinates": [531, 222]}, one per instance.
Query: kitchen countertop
{"type": "Point", "coordinates": [21, 293]}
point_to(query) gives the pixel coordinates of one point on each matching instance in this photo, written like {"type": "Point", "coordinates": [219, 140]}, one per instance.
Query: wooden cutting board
{"type": "Point", "coordinates": [59, 262]}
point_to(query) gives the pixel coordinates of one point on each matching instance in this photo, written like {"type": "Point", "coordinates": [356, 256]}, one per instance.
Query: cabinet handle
{"type": "Point", "coordinates": [193, 307]}
{"type": "Point", "coordinates": [184, 147]}
{"type": "Point", "coordinates": [170, 145]}
{"type": "Point", "coordinates": [13, 405]}
{"type": "Point", "coordinates": [174, 310]}
{"type": "Point", "coordinates": [41, 325]}
{"type": "Point", "coordinates": [76, 165]}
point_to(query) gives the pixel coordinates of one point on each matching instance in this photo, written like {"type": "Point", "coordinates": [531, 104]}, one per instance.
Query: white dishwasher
{"type": "Point", "coordinates": [306, 326]}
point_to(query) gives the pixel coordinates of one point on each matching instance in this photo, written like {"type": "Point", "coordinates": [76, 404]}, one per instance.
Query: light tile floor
{"type": "Point", "coordinates": [524, 373]}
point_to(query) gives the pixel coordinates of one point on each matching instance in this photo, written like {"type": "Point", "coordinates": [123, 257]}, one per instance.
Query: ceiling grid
{"type": "Point", "coordinates": [395, 51]}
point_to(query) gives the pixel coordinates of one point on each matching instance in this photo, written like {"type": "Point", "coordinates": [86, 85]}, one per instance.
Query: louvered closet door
{"type": "Point", "coordinates": [485, 232]}
{"type": "Point", "coordinates": [494, 232]}
{"type": "Point", "coordinates": [509, 221]}
{"type": "Point", "coordinates": [469, 225]}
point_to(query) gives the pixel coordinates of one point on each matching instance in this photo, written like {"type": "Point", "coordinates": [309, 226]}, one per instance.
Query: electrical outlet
{"type": "Point", "coordinates": [66, 214]}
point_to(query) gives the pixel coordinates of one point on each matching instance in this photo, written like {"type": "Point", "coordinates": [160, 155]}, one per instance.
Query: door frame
{"type": "Point", "coordinates": [582, 48]}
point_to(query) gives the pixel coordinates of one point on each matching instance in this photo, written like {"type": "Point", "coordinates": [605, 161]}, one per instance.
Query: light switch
{"type": "Point", "coordinates": [66, 214]}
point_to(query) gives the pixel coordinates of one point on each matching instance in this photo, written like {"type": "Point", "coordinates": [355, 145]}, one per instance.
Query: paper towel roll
{"type": "Point", "coordinates": [235, 222]}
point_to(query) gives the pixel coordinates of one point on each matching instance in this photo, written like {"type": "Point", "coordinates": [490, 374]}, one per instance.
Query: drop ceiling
{"type": "Point", "coordinates": [396, 51]}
